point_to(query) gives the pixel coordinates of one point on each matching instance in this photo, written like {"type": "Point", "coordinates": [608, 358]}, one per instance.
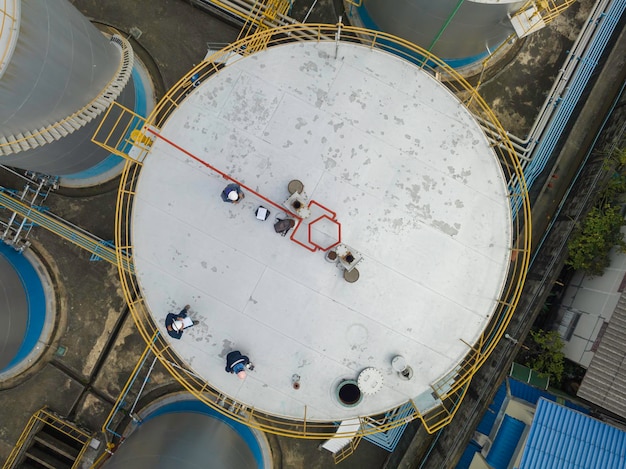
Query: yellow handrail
{"type": "Point", "coordinates": [124, 390]}
{"type": "Point", "coordinates": [347, 450]}
{"type": "Point", "coordinates": [19, 444]}
{"type": "Point", "coordinates": [546, 10]}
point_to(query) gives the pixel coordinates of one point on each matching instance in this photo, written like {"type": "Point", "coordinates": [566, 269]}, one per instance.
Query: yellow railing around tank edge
{"type": "Point", "coordinates": [450, 389]}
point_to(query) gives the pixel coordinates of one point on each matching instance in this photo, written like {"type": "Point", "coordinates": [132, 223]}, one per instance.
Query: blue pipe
{"type": "Point", "coordinates": [569, 189]}
{"type": "Point", "coordinates": [567, 104]}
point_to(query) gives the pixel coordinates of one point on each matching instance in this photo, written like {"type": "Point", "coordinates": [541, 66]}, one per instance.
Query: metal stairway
{"type": "Point", "coordinates": [48, 442]}
{"type": "Point", "coordinates": [264, 13]}
{"type": "Point", "coordinates": [536, 14]}
{"type": "Point", "coordinates": [389, 439]}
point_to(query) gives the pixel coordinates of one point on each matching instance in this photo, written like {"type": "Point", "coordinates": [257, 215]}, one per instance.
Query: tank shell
{"type": "Point", "coordinates": [60, 63]}
{"type": "Point", "coordinates": [474, 30]}
{"type": "Point", "coordinates": [183, 440]}
{"type": "Point", "coordinates": [57, 64]}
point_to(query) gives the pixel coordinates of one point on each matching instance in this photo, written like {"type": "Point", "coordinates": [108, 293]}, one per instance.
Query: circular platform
{"type": "Point", "coordinates": [391, 162]}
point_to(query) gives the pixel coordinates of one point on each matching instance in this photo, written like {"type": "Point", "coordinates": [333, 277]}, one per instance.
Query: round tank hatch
{"type": "Point", "coordinates": [348, 393]}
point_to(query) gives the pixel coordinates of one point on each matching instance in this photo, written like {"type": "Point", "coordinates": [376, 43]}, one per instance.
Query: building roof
{"type": "Point", "coordinates": [491, 414]}
{"type": "Point", "coordinates": [563, 438]}
{"type": "Point", "coordinates": [385, 152]}
{"type": "Point", "coordinates": [520, 390]}
{"type": "Point", "coordinates": [604, 383]}
{"type": "Point", "coordinates": [505, 443]}
{"type": "Point", "coordinates": [532, 394]}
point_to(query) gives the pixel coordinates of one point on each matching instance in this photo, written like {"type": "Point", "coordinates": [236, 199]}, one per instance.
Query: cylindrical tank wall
{"type": "Point", "coordinates": [28, 311]}
{"type": "Point", "coordinates": [71, 154]}
{"type": "Point", "coordinates": [60, 63]}
{"type": "Point", "coordinates": [183, 440]}
{"type": "Point", "coordinates": [14, 306]}
{"type": "Point", "coordinates": [452, 30]}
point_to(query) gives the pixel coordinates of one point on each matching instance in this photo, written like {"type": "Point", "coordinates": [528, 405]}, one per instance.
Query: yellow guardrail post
{"type": "Point", "coordinates": [451, 388]}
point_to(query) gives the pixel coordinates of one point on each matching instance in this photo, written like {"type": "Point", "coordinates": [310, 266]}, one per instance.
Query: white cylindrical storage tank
{"type": "Point", "coordinates": [371, 158]}
{"type": "Point", "coordinates": [460, 32]}
{"type": "Point", "coordinates": [58, 73]}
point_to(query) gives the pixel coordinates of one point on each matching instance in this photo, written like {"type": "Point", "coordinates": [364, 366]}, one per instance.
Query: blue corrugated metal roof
{"type": "Point", "coordinates": [466, 459]}
{"type": "Point", "coordinates": [531, 394]}
{"type": "Point", "coordinates": [489, 418]}
{"type": "Point", "coordinates": [563, 438]}
{"type": "Point", "coordinates": [506, 441]}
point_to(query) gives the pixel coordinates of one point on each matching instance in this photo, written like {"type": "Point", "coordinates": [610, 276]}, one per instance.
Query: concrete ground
{"type": "Point", "coordinates": [96, 346]}
{"type": "Point", "coordinates": [516, 88]}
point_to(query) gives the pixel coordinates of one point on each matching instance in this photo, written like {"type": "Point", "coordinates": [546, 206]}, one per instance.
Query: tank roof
{"type": "Point", "coordinates": [393, 167]}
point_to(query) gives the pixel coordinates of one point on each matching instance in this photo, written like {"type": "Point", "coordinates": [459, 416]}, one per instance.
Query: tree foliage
{"type": "Point", "coordinates": [590, 245]}
{"type": "Point", "coordinates": [543, 352]}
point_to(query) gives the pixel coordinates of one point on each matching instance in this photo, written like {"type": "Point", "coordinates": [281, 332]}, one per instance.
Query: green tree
{"type": "Point", "coordinates": [590, 245]}
{"type": "Point", "coordinates": [543, 352]}
{"type": "Point", "coordinates": [599, 232]}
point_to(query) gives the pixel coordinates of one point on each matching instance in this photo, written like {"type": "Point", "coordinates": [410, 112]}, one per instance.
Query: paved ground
{"type": "Point", "coordinates": [94, 329]}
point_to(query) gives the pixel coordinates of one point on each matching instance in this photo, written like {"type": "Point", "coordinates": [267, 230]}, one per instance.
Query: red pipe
{"type": "Point", "coordinates": [224, 175]}
{"type": "Point", "coordinates": [229, 178]}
